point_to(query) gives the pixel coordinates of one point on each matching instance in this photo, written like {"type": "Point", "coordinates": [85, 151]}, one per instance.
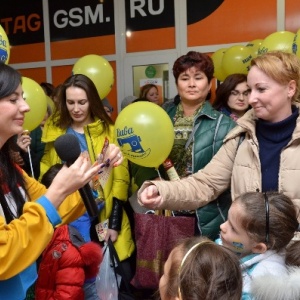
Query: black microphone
{"type": "Point", "coordinates": [68, 149]}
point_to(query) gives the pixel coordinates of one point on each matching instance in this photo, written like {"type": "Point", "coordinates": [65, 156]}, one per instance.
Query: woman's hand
{"type": "Point", "coordinates": [150, 197]}
{"type": "Point", "coordinates": [24, 141]}
{"type": "Point", "coordinates": [113, 156]}
{"type": "Point", "coordinates": [69, 180]}
{"type": "Point", "coordinates": [111, 234]}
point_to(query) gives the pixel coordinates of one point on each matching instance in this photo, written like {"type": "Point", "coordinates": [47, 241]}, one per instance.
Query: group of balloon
{"type": "Point", "coordinates": [143, 130]}
{"type": "Point", "coordinates": [236, 59]}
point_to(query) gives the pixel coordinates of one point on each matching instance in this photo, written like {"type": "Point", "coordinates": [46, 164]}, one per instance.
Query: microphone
{"type": "Point", "coordinates": [68, 149]}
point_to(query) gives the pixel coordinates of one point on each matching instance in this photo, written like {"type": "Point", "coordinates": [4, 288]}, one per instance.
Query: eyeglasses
{"type": "Point", "coordinates": [237, 93]}
{"type": "Point", "coordinates": [267, 208]}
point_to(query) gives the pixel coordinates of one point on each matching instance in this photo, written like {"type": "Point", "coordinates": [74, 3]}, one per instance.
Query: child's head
{"type": "Point", "coordinates": [258, 222]}
{"type": "Point", "coordinates": [200, 269]}
{"type": "Point", "coordinates": [50, 174]}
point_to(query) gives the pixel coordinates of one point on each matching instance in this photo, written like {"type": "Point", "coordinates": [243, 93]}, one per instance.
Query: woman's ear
{"type": "Point", "coordinates": [291, 88]}
{"type": "Point", "coordinates": [260, 248]}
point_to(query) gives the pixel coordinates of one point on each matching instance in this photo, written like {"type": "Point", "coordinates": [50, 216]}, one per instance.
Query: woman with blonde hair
{"type": "Point", "coordinates": [260, 154]}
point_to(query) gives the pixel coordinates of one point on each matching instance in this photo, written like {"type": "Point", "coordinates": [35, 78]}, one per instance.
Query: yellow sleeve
{"type": "Point", "coordinates": [121, 181]}
{"type": "Point", "coordinates": [72, 207]}
{"type": "Point", "coordinates": [24, 239]}
{"type": "Point", "coordinates": [49, 159]}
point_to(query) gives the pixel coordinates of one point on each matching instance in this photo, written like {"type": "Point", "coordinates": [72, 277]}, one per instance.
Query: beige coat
{"type": "Point", "coordinates": [235, 164]}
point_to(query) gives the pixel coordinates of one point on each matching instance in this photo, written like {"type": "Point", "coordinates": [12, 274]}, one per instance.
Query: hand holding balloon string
{"type": "Point", "coordinates": [24, 141]}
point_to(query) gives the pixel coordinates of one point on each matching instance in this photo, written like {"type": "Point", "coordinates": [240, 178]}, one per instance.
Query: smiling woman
{"type": "Point", "coordinates": [29, 212]}
{"type": "Point", "coordinates": [13, 106]}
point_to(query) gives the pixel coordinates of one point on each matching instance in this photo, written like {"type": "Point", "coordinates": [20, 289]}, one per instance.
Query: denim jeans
{"type": "Point", "coordinates": [90, 292]}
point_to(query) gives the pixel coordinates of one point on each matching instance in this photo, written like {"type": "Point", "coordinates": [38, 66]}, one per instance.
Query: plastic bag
{"type": "Point", "coordinates": [106, 281]}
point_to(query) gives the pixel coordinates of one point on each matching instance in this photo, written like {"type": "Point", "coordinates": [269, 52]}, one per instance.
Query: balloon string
{"type": "Point", "coordinates": [159, 175]}
{"type": "Point", "coordinates": [30, 161]}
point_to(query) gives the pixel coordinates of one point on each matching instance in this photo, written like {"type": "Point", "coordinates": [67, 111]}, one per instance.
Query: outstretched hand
{"type": "Point", "coordinates": [150, 197]}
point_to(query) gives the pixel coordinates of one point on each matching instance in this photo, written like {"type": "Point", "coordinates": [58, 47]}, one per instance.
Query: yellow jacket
{"type": "Point", "coordinates": [24, 239]}
{"type": "Point", "coordinates": [117, 183]}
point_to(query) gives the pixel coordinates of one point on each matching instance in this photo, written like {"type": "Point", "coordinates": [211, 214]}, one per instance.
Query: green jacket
{"type": "Point", "coordinates": [209, 130]}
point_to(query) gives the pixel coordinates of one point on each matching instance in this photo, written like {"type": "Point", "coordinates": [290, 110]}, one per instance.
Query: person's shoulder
{"type": "Point", "coordinates": [169, 104]}
{"type": "Point", "coordinates": [217, 115]}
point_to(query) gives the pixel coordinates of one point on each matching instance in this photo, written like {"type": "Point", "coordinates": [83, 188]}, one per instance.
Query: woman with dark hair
{"type": "Point", "coordinates": [260, 154]}
{"type": "Point", "coordinates": [28, 211]}
{"type": "Point", "coordinates": [199, 132]}
{"type": "Point", "coordinates": [232, 96]}
{"type": "Point", "coordinates": [80, 112]}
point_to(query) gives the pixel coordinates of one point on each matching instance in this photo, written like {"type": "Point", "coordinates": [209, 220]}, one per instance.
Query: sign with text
{"type": "Point", "coordinates": [80, 19]}
{"type": "Point", "coordinates": [22, 21]}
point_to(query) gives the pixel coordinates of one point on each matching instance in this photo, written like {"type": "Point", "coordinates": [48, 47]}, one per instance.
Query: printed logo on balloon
{"type": "Point", "coordinates": [277, 41]}
{"type": "Point", "coordinates": [145, 133]}
{"type": "Point", "coordinates": [4, 46]}
{"type": "Point", "coordinates": [296, 43]}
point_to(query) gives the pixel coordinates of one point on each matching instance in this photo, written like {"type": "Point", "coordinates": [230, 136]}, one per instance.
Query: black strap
{"type": "Point", "coordinates": [114, 258]}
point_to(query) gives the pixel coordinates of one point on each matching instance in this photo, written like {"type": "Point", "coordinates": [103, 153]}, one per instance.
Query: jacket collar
{"type": "Point", "coordinates": [207, 109]}
{"type": "Point", "coordinates": [247, 123]}
{"type": "Point", "coordinates": [51, 132]}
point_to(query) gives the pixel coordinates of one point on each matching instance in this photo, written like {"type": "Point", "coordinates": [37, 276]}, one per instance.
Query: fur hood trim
{"type": "Point", "coordinates": [91, 254]}
{"type": "Point", "coordinates": [283, 287]}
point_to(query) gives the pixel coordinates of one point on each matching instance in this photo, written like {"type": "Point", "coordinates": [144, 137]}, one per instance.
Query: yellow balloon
{"type": "Point", "coordinates": [50, 102]}
{"type": "Point", "coordinates": [296, 43]}
{"type": "Point", "coordinates": [4, 46]}
{"type": "Point", "coordinates": [217, 60]}
{"type": "Point", "coordinates": [145, 133]}
{"type": "Point", "coordinates": [36, 99]}
{"type": "Point", "coordinates": [99, 70]}
{"type": "Point", "coordinates": [277, 41]}
{"type": "Point", "coordinates": [254, 46]}
{"type": "Point", "coordinates": [236, 59]}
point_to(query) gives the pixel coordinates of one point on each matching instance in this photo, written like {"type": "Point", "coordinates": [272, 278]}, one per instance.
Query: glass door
{"type": "Point", "coordinates": [155, 69]}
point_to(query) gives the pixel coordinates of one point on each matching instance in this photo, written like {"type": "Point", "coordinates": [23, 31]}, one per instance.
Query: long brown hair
{"type": "Point", "coordinates": [11, 178]}
{"type": "Point", "coordinates": [62, 116]}
{"type": "Point", "coordinates": [203, 270]}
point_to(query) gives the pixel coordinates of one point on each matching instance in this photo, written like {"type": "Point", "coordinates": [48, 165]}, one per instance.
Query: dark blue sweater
{"type": "Point", "coordinates": [272, 138]}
